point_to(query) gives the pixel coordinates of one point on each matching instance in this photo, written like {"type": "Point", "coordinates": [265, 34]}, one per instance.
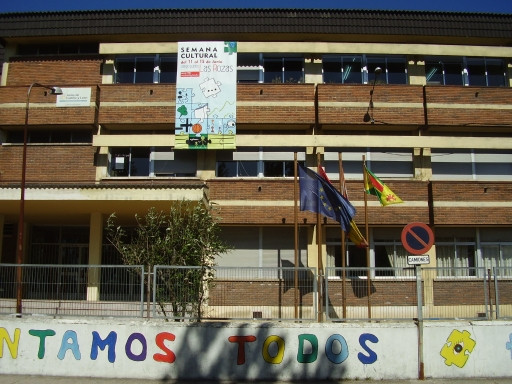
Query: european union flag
{"type": "Point", "coordinates": [319, 196]}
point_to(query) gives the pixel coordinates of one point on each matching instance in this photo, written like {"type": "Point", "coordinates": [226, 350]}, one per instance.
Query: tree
{"type": "Point", "coordinates": [187, 236]}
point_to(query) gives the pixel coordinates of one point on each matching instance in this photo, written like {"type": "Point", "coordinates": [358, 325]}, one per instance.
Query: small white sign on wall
{"type": "Point", "coordinates": [74, 97]}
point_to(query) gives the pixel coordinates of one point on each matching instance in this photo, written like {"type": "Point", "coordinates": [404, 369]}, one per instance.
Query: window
{"type": "Point", "coordinates": [61, 137]}
{"type": "Point", "coordinates": [460, 164]}
{"type": "Point", "coordinates": [262, 247]}
{"type": "Point", "coordinates": [361, 69]}
{"type": "Point", "coordinates": [59, 245]}
{"type": "Point", "coordinates": [57, 49]}
{"type": "Point", "coordinates": [151, 162]}
{"type": "Point", "coordinates": [395, 163]}
{"type": "Point", "coordinates": [283, 70]}
{"type": "Point", "coordinates": [486, 72]}
{"type": "Point", "coordinates": [444, 71]}
{"type": "Point", "coordinates": [129, 161]}
{"type": "Point", "coordinates": [342, 69]}
{"type": "Point", "coordinates": [455, 252]}
{"type": "Point", "coordinates": [257, 163]}
{"type": "Point", "coordinates": [146, 69]}
{"type": "Point", "coordinates": [496, 249]}
{"type": "Point", "coordinates": [249, 68]}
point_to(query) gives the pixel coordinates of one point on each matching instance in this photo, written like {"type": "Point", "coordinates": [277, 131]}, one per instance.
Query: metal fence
{"type": "Point", "coordinates": [235, 293]}
{"type": "Point", "coordinates": [253, 293]}
{"type": "Point", "coordinates": [72, 290]}
{"type": "Point", "coordinates": [412, 293]}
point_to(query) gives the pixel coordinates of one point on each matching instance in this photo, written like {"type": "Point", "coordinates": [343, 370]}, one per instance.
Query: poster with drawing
{"type": "Point", "coordinates": [206, 95]}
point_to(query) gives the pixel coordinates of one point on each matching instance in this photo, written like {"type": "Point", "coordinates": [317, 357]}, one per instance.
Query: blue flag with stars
{"type": "Point", "coordinates": [319, 196]}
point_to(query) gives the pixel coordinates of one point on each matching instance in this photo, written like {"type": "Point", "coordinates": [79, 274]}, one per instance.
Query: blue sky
{"type": "Point", "coordinates": [493, 6]}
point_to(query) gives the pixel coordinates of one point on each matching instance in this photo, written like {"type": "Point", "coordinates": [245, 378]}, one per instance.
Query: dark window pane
{"type": "Point", "coordinates": [119, 160]}
{"type": "Point", "coordinates": [288, 168]}
{"type": "Point", "coordinates": [453, 74]}
{"type": "Point", "coordinates": [495, 73]}
{"type": "Point", "coordinates": [434, 73]}
{"type": "Point", "coordinates": [331, 68]}
{"type": "Point", "coordinates": [247, 168]}
{"type": "Point", "coordinates": [125, 70]}
{"type": "Point", "coordinates": [168, 69]}
{"type": "Point", "coordinates": [352, 72]}
{"type": "Point", "coordinates": [140, 162]}
{"type": "Point", "coordinates": [293, 71]}
{"type": "Point", "coordinates": [273, 169]}
{"type": "Point", "coordinates": [226, 169]}
{"type": "Point", "coordinates": [144, 70]}
{"type": "Point", "coordinates": [476, 72]}
{"type": "Point", "coordinates": [273, 71]}
{"type": "Point", "coordinates": [396, 72]}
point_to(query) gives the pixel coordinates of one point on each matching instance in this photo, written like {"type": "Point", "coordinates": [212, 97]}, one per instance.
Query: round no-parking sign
{"type": "Point", "coordinates": [417, 238]}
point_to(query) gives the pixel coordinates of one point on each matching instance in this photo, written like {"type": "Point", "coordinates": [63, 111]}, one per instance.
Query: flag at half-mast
{"type": "Point", "coordinates": [319, 196]}
{"type": "Point", "coordinates": [373, 186]}
{"type": "Point", "coordinates": [354, 234]}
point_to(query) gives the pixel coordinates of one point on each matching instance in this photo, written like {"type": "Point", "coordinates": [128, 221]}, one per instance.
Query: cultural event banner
{"type": "Point", "coordinates": [206, 95]}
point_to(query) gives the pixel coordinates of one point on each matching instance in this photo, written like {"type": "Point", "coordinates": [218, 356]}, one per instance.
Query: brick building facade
{"type": "Point", "coordinates": [435, 126]}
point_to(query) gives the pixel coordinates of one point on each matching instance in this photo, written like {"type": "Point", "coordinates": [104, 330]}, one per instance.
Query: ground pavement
{"type": "Point", "coordinates": [22, 379]}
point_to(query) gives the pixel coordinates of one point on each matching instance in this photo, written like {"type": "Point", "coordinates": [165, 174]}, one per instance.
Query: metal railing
{"type": "Point", "coordinates": [235, 293]}
{"type": "Point", "coordinates": [254, 293]}
{"type": "Point", "coordinates": [73, 290]}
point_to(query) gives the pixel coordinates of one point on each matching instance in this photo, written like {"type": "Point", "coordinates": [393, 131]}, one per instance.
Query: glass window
{"type": "Point", "coordinates": [444, 71]}
{"type": "Point", "coordinates": [144, 70]}
{"type": "Point", "coordinates": [283, 70]}
{"type": "Point", "coordinates": [168, 69]}
{"type": "Point", "coordinates": [396, 71]}
{"type": "Point", "coordinates": [496, 73]}
{"type": "Point", "coordinates": [455, 251]}
{"type": "Point", "coordinates": [139, 162]}
{"type": "Point", "coordinates": [273, 70]}
{"type": "Point", "coordinates": [352, 72]}
{"type": "Point", "coordinates": [249, 69]}
{"type": "Point", "coordinates": [126, 161]}
{"type": "Point", "coordinates": [125, 71]}
{"type": "Point", "coordinates": [476, 72]}
{"type": "Point", "coordinates": [331, 68]}
{"type": "Point", "coordinates": [293, 70]}
{"type": "Point", "coordinates": [486, 72]}
{"type": "Point", "coordinates": [342, 69]}
{"type": "Point", "coordinates": [150, 69]}
{"type": "Point", "coordinates": [237, 169]}
{"type": "Point", "coordinates": [278, 168]}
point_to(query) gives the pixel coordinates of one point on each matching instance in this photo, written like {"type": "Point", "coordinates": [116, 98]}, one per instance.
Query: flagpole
{"type": "Point", "coordinates": [296, 235]}
{"type": "Point", "coordinates": [368, 274]}
{"type": "Point", "coordinates": [319, 259]}
{"type": "Point", "coordinates": [343, 242]}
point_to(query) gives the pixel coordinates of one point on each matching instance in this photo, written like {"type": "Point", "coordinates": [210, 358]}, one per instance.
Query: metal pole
{"type": "Point", "coordinates": [343, 242]}
{"type": "Point", "coordinates": [296, 237]}
{"type": "Point", "coordinates": [21, 219]}
{"type": "Point", "coordinates": [419, 293]}
{"type": "Point", "coordinates": [368, 271]}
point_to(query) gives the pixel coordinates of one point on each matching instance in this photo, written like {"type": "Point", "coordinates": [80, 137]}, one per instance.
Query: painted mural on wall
{"type": "Point", "coordinates": [223, 351]}
{"type": "Point", "coordinates": [206, 95]}
{"type": "Point", "coordinates": [458, 347]}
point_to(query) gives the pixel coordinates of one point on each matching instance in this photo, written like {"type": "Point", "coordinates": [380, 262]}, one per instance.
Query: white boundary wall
{"type": "Point", "coordinates": [252, 351]}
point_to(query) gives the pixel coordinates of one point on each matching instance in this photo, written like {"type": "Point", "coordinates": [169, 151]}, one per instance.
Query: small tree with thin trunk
{"type": "Point", "coordinates": [187, 236]}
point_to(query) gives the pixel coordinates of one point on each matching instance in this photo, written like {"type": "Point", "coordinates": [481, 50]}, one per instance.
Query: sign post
{"type": "Point", "coordinates": [418, 238]}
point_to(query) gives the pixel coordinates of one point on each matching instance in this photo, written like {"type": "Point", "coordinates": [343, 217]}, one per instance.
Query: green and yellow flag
{"type": "Point", "coordinates": [373, 186]}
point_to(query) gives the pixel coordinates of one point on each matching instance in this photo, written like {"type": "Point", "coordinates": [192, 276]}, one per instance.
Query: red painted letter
{"type": "Point", "coordinates": [241, 350]}
{"type": "Point", "coordinates": [169, 356]}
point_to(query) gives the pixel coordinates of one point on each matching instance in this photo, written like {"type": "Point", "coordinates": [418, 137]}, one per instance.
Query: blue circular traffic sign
{"type": "Point", "coordinates": [417, 238]}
